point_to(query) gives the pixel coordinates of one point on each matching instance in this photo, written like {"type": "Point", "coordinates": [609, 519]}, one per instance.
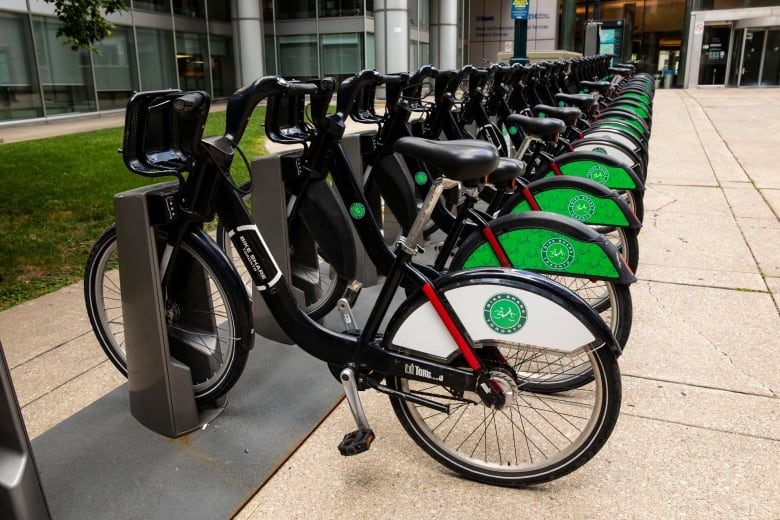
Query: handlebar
{"type": "Point", "coordinates": [351, 88]}
{"type": "Point", "coordinates": [243, 101]}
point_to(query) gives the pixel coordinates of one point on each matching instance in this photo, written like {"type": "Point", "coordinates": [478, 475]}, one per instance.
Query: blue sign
{"type": "Point", "coordinates": [520, 9]}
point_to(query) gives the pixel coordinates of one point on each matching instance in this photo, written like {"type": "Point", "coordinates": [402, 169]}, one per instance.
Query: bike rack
{"type": "Point", "coordinates": [21, 493]}
{"type": "Point", "coordinates": [271, 219]}
{"type": "Point", "coordinates": [354, 145]}
{"type": "Point", "coordinates": [160, 386]}
{"type": "Point", "coordinates": [271, 216]}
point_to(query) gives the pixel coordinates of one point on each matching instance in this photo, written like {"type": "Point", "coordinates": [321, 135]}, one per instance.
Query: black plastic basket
{"type": "Point", "coordinates": [163, 129]}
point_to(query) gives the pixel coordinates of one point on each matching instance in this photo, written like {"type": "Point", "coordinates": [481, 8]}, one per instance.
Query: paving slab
{"type": "Point", "coordinates": [648, 469]}
{"type": "Point", "coordinates": [671, 244]}
{"type": "Point", "coordinates": [697, 335]}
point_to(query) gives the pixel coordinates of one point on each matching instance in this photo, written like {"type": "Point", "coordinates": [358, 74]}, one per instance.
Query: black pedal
{"type": "Point", "coordinates": [356, 442]}
{"type": "Point", "coordinates": [352, 292]}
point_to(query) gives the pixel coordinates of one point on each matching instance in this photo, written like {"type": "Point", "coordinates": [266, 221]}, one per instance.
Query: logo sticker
{"type": "Point", "coordinates": [505, 313]}
{"type": "Point", "coordinates": [600, 150]}
{"type": "Point", "coordinates": [420, 178]}
{"type": "Point", "coordinates": [357, 211]}
{"type": "Point", "coordinates": [581, 207]}
{"type": "Point", "coordinates": [557, 253]}
{"type": "Point", "coordinates": [598, 173]}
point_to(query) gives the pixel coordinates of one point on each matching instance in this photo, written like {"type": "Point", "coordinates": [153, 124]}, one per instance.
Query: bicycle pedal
{"type": "Point", "coordinates": [353, 291]}
{"type": "Point", "coordinates": [356, 442]}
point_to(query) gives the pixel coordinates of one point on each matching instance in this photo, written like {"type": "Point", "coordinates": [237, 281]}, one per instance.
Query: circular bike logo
{"type": "Point", "coordinates": [505, 313]}
{"type": "Point", "coordinates": [557, 253]}
{"type": "Point", "coordinates": [581, 207]}
{"type": "Point", "coordinates": [598, 173]}
{"type": "Point", "coordinates": [420, 178]}
{"type": "Point", "coordinates": [357, 211]}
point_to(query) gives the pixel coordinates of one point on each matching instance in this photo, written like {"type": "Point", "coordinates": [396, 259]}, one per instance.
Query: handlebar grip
{"type": "Point", "coordinates": [296, 87]}
{"type": "Point", "coordinates": [188, 102]}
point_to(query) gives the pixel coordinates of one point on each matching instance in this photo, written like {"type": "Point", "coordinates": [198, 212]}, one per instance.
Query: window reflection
{"type": "Point", "coordinates": [66, 78]}
{"type": "Point", "coordinates": [332, 8]}
{"type": "Point", "coordinates": [295, 9]}
{"type": "Point", "coordinates": [191, 51]}
{"type": "Point", "coordinates": [19, 94]}
{"type": "Point", "coordinates": [115, 69]}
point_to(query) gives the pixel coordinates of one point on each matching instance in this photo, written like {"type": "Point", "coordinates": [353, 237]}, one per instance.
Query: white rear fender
{"type": "Point", "coordinates": [494, 311]}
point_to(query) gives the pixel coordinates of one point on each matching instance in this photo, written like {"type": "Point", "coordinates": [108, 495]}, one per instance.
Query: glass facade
{"type": "Point", "coordinates": [20, 96]}
{"type": "Point", "coordinates": [65, 76]}
{"type": "Point", "coordinates": [39, 77]}
{"type": "Point", "coordinates": [116, 71]}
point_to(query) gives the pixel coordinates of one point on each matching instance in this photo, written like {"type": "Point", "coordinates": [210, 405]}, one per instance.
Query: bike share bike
{"type": "Point", "coordinates": [459, 358]}
{"type": "Point", "coordinates": [559, 247]}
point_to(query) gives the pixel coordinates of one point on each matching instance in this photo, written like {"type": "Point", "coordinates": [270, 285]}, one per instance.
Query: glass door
{"type": "Point", "coordinates": [770, 73]}
{"type": "Point", "coordinates": [751, 60]}
{"type": "Point", "coordinates": [714, 55]}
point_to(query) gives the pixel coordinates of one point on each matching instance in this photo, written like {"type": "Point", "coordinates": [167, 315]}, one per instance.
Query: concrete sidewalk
{"type": "Point", "coordinates": [698, 435]}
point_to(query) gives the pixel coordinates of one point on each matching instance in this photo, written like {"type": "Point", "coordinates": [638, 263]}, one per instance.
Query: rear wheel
{"type": "Point", "coordinates": [534, 437]}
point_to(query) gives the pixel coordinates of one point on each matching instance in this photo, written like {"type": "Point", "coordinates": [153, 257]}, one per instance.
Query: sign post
{"type": "Point", "coordinates": [520, 16]}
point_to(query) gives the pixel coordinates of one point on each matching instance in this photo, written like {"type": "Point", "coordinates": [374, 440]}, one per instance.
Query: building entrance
{"type": "Point", "coordinates": [714, 55]}
{"type": "Point", "coordinates": [761, 58]}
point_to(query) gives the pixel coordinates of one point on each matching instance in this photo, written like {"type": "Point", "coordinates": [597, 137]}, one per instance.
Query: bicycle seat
{"type": "Point", "coordinates": [601, 87]}
{"type": "Point", "coordinates": [507, 171]}
{"type": "Point", "coordinates": [566, 114]}
{"type": "Point", "coordinates": [538, 126]}
{"type": "Point", "coordinates": [582, 101]}
{"type": "Point", "coordinates": [461, 160]}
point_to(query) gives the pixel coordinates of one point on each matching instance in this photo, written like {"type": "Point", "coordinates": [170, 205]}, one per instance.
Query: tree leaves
{"type": "Point", "coordinates": [84, 22]}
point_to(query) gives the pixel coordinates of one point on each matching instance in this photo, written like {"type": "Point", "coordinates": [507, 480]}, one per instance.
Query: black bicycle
{"type": "Point", "coordinates": [459, 358]}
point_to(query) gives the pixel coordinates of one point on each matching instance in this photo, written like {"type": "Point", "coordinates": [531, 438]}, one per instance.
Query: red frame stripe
{"type": "Point", "coordinates": [496, 247]}
{"type": "Point", "coordinates": [463, 345]}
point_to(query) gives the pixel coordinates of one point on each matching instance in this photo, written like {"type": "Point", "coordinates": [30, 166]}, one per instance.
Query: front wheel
{"type": "Point", "coordinates": [534, 437]}
{"type": "Point", "coordinates": [208, 316]}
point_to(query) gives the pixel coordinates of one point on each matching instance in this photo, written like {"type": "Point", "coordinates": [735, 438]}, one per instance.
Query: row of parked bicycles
{"type": "Point", "coordinates": [501, 361]}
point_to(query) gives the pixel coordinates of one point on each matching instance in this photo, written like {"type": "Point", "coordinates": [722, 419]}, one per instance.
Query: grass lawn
{"type": "Point", "coordinates": [57, 197]}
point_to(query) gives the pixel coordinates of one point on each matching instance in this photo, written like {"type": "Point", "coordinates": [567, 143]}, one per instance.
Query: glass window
{"type": "Point", "coordinates": [66, 75]}
{"type": "Point", "coordinates": [116, 74]}
{"type": "Point", "coordinates": [19, 94]}
{"type": "Point", "coordinates": [161, 6]}
{"type": "Point", "coordinates": [332, 8]}
{"type": "Point", "coordinates": [219, 10]}
{"type": "Point", "coordinates": [270, 55]}
{"type": "Point", "coordinates": [294, 9]}
{"type": "Point", "coordinates": [298, 56]}
{"type": "Point", "coordinates": [156, 59]}
{"type": "Point", "coordinates": [413, 9]}
{"type": "Point", "coordinates": [341, 54]}
{"type": "Point", "coordinates": [424, 15]}
{"type": "Point", "coordinates": [223, 68]}
{"type": "Point", "coordinates": [268, 10]}
{"type": "Point", "coordinates": [191, 52]}
{"type": "Point", "coordinates": [370, 51]}
{"type": "Point", "coordinates": [192, 8]}
{"type": "Point", "coordinates": [370, 7]}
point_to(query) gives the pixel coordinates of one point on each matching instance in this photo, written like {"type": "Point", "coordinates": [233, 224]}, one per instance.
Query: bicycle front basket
{"type": "Point", "coordinates": [159, 139]}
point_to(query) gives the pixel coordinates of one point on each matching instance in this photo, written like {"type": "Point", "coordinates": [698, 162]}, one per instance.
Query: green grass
{"type": "Point", "coordinates": [57, 197]}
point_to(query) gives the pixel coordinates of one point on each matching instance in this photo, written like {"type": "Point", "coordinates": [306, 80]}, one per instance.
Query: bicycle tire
{"type": "Point", "coordinates": [230, 333]}
{"type": "Point", "coordinates": [535, 438]}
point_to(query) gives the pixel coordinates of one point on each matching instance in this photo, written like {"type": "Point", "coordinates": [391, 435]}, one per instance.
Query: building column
{"type": "Point", "coordinates": [391, 34]}
{"type": "Point", "coordinates": [568, 21]}
{"type": "Point", "coordinates": [249, 25]}
{"type": "Point", "coordinates": [444, 33]}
